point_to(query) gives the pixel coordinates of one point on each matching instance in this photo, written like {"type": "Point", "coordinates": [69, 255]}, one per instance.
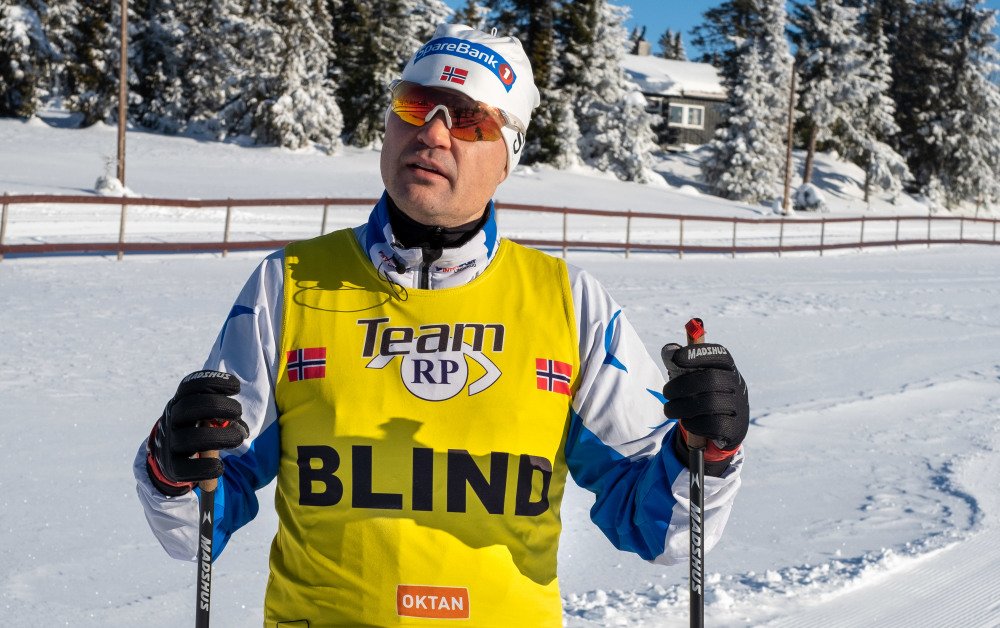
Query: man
{"type": "Point", "coordinates": [419, 387]}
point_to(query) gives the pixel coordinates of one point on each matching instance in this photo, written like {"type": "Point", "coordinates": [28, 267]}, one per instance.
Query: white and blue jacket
{"type": "Point", "coordinates": [618, 440]}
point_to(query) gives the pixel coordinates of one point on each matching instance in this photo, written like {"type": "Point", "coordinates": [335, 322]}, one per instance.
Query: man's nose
{"type": "Point", "coordinates": [435, 133]}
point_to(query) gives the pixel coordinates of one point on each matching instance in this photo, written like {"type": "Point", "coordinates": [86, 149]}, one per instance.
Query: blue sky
{"type": "Point", "coordinates": [679, 15]}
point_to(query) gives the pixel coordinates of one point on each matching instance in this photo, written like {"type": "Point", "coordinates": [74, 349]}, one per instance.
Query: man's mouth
{"type": "Point", "coordinates": [426, 167]}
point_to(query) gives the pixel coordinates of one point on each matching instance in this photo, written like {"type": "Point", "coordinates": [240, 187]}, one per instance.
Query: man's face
{"type": "Point", "coordinates": [436, 179]}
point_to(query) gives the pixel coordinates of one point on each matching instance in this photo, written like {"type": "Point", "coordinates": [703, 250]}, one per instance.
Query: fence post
{"type": "Point", "coordinates": [734, 237]}
{"type": "Point", "coordinates": [225, 234]}
{"type": "Point", "coordinates": [628, 232]}
{"type": "Point", "coordinates": [961, 228]}
{"type": "Point", "coordinates": [322, 227]}
{"type": "Point", "coordinates": [928, 229]}
{"type": "Point", "coordinates": [861, 242]}
{"type": "Point", "coordinates": [994, 230]}
{"type": "Point", "coordinates": [680, 241]}
{"type": "Point", "coordinates": [564, 243]}
{"type": "Point", "coordinates": [781, 237]}
{"type": "Point", "coordinates": [121, 230]}
{"type": "Point", "coordinates": [822, 235]}
{"type": "Point", "coordinates": [897, 233]}
{"type": "Point", "coordinates": [3, 224]}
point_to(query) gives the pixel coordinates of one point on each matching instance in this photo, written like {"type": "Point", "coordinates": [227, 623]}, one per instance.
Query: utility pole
{"type": "Point", "coordinates": [122, 91]}
{"type": "Point", "coordinates": [785, 209]}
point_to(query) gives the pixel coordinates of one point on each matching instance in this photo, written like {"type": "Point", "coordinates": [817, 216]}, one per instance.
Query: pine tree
{"type": "Point", "coordinates": [723, 25]}
{"type": "Point", "coordinates": [473, 14]}
{"type": "Point", "coordinates": [966, 131]}
{"type": "Point", "coordinates": [831, 90]}
{"type": "Point", "coordinates": [918, 72]}
{"type": "Point", "coordinates": [776, 60]}
{"type": "Point", "coordinates": [672, 46]}
{"type": "Point", "coordinates": [884, 168]}
{"type": "Point", "coordinates": [679, 53]}
{"type": "Point", "coordinates": [155, 41]}
{"type": "Point", "coordinates": [226, 58]}
{"type": "Point", "coordinates": [743, 161]}
{"type": "Point", "coordinates": [616, 132]}
{"type": "Point", "coordinates": [92, 74]}
{"type": "Point", "coordinates": [24, 58]}
{"type": "Point", "coordinates": [301, 107]}
{"type": "Point", "coordinates": [59, 22]}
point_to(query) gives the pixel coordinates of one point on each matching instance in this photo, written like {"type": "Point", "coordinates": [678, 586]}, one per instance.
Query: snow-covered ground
{"type": "Point", "coordinates": [870, 494]}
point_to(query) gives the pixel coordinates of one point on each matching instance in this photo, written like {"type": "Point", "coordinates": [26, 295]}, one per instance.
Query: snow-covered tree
{"type": "Point", "coordinates": [723, 25]}
{"type": "Point", "coordinates": [744, 162]}
{"type": "Point", "coordinates": [301, 107]}
{"type": "Point", "coordinates": [156, 47]}
{"type": "Point", "coordinates": [884, 168]}
{"type": "Point", "coordinates": [24, 58]}
{"type": "Point", "coordinates": [776, 60]}
{"type": "Point", "coordinates": [746, 157]}
{"type": "Point", "coordinates": [59, 22]}
{"type": "Point", "coordinates": [616, 132]}
{"type": "Point", "coordinates": [92, 73]}
{"type": "Point", "coordinates": [226, 57]}
{"type": "Point", "coordinates": [966, 131]}
{"type": "Point", "coordinates": [919, 74]}
{"type": "Point", "coordinates": [844, 92]}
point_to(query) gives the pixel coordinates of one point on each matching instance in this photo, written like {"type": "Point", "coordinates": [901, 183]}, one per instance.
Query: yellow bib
{"type": "Point", "coordinates": [422, 438]}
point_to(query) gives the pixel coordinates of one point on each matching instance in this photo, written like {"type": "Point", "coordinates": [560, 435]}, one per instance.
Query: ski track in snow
{"type": "Point", "coordinates": [927, 581]}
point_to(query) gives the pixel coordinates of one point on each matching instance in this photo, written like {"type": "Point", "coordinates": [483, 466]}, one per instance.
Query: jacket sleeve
{"type": "Point", "coordinates": [247, 347]}
{"type": "Point", "coordinates": [615, 445]}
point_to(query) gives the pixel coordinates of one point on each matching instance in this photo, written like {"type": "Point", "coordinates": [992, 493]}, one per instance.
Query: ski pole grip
{"type": "Point", "coordinates": [695, 329]}
{"type": "Point", "coordinates": [211, 484]}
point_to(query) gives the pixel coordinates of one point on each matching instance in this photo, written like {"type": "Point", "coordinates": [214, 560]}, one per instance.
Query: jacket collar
{"type": "Point", "coordinates": [406, 267]}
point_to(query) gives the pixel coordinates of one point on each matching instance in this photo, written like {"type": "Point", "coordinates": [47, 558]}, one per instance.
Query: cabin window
{"type": "Point", "coordinates": [686, 116]}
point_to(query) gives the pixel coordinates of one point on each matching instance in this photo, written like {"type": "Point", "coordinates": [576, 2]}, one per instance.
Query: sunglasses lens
{"type": "Point", "coordinates": [471, 121]}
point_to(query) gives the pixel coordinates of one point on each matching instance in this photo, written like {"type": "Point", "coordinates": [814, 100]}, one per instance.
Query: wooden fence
{"type": "Point", "coordinates": [626, 230]}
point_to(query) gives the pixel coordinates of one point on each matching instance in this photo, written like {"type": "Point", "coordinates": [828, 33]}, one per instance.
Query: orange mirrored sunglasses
{"type": "Point", "coordinates": [468, 120]}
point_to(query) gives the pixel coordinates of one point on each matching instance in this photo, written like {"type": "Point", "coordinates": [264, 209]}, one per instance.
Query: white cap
{"type": "Point", "coordinates": [484, 67]}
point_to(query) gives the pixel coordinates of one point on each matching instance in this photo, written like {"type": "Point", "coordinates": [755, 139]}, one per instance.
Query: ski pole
{"type": "Point", "coordinates": [695, 329]}
{"type": "Point", "coordinates": [206, 509]}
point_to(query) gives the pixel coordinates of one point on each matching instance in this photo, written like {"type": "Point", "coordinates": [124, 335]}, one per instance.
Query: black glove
{"type": "Point", "coordinates": [707, 394]}
{"type": "Point", "coordinates": [202, 416]}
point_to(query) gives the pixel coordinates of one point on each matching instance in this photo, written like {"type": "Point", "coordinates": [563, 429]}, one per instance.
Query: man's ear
{"type": "Point", "coordinates": [504, 172]}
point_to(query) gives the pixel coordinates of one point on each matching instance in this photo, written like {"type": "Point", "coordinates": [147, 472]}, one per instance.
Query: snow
{"type": "Point", "coordinates": [669, 77]}
{"type": "Point", "coordinates": [869, 495]}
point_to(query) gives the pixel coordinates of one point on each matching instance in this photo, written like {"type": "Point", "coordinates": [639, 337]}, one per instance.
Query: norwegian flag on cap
{"type": "Point", "coordinates": [454, 74]}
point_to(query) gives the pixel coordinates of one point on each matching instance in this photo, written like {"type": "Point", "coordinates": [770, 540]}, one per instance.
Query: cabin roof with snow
{"type": "Point", "coordinates": [667, 77]}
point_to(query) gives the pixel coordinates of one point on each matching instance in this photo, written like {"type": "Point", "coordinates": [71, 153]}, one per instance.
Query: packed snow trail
{"type": "Point", "coordinates": [958, 585]}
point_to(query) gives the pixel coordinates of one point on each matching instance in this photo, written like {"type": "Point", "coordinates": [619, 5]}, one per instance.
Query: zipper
{"type": "Point", "coordinates": [425, 276]}
{"type": "Point", "coordinates": [429, 256]}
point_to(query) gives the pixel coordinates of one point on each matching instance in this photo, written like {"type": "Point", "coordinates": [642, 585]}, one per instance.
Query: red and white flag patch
{"type": "Point", "coordinates": [553, 375]}
{"type": "Point", "coordinates": [307, 363]}
{"type": "Point", "coordinates": [454, 74]}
